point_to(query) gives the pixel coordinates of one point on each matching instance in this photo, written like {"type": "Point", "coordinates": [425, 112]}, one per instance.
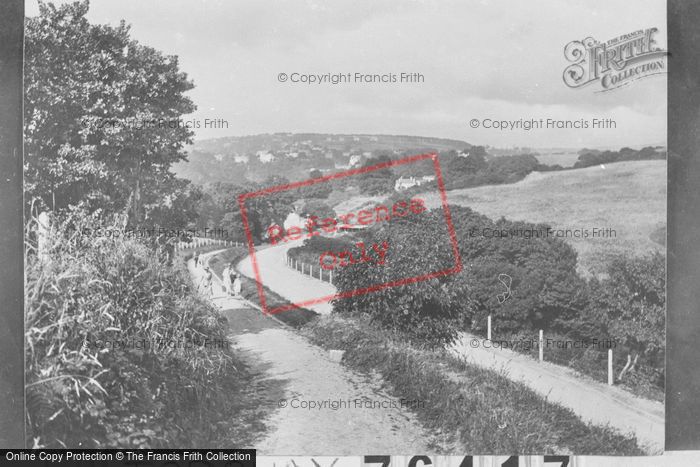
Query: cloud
{"type": "Point", "coordinates": [478, 58]}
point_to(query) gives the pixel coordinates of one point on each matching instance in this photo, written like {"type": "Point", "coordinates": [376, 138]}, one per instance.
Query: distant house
{"type": "Point", "coordinates": [265, 156]}
{"type": "Point", "coordinates": [404, 183]}
{"type": "Point", "coordinates": [238, 158]}
{"type": "Point", "coordinates": [355, 160]}
{"type": "Point", "coordinates": [463, 154]}
{"type": "Point", "coordinates": [294, 220]}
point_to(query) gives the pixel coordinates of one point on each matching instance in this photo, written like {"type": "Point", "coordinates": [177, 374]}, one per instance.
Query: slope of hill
{"type": "Point", "coordinates": [628, 197]}
{"type": "Point", "coordinates": [237, 158]}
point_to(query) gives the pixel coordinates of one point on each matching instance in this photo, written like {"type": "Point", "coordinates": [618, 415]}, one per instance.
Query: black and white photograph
{"type": "Point", "coordinates": [385, 229]}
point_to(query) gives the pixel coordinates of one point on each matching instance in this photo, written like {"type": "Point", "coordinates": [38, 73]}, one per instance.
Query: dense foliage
{"type": "Point", "coordinates": [590, 157]}
{"type": "Point", "coordinates": [478, 168]}
{"type": "Point", "coordinates": [85, 297]}
{"type": "Point", "coordinates": [377, 181]}
{"type": "Point", "coordinates": [545, 290]}
{"type": "Point", "coordinates": [543, 271]}
{"type": "Point", "coordinates": [102, 120]}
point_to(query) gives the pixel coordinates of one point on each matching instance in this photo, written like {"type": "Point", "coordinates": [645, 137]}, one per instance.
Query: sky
{"type": "Point", "coordinates": [499, 60]}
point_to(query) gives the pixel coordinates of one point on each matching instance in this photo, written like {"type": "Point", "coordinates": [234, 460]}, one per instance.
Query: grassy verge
{"type": "Point", "coordinates": [482, 410]}
{"type": "Point", "coordinates": [121, 352]}
{"type": "Point", "coordinates": [296, 317]}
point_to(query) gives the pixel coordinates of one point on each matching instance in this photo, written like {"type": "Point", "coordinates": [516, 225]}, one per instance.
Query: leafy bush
{"type": "Point", "coordinates": [312, 249]}
{"type": "Point", "coordinates": [85, 293]}
{"type": "Point", "coordinates": [547, 290]}
{"type": "Point", "coordinates": [630, 306]}
{"type": "Point", "coordinates": [427, 311]}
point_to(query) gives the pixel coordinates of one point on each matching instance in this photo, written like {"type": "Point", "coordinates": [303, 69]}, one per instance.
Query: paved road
{"type": "Point", "coordinates": [296, 372]}
{"type": "Point", "coordinates": [591, 400]}
{"type": "Point", "coordinates": [292, 285]}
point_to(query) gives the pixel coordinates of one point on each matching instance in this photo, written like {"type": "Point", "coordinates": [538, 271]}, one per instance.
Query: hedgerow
{"type": "Point", "coordinates": [85, 296]}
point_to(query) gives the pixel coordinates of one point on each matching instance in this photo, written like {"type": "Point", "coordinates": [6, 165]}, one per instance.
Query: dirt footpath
{"type": "Point", "coordinates": [313, 405]}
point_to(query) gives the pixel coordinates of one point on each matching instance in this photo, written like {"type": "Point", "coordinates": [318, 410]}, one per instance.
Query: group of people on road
{"type": "Point", "coordinates": [232, 283]}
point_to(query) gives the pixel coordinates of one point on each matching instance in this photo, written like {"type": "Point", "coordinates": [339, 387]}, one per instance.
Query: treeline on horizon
{"type": "Point", "coordinates": [216, 204]}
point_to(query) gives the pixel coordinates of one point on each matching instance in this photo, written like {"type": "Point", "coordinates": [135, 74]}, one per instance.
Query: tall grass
{"type": "Point", "coordinates": [84, 296]}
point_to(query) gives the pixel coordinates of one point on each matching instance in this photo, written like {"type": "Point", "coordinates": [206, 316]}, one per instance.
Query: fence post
{"type": "Point", "coordinates": [541, 345]}
{"type": "Point", "coordinates": [330, 278]}
{"type": "Point", "coordinates": [488, 330]}
{"type": "Point", "coordinates": [320, 274]}
{"type": "Point", "coordinates": [610, 367]}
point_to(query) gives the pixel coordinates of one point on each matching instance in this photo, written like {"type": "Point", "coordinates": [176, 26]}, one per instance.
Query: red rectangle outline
{"type": "Point", "coordinates": [448, 220]}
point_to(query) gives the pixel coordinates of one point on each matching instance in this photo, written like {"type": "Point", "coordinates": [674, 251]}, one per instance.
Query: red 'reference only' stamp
{"type": "Point", "coordinates": [375, 253]}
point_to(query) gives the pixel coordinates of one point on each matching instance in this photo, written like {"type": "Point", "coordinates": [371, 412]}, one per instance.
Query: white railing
{"type": "Point", "coordinates": [198, 242]}
{"type": "Point", "coordinates": [611, 375]}
{"type": "Point", "coordinates": [316, 272]}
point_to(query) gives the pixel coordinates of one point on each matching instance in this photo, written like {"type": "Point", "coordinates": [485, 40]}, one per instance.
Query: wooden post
{"type": "Point", "coordinates": [541, 345]}
{"type": "Point", "coordinates": [610, 367]}
{"type": "Point", "coordinates": [488, 330]}
{"type": "Point", "coordinates": [320, 273]}
{"type": "Point", "coordinates": [330, 277]}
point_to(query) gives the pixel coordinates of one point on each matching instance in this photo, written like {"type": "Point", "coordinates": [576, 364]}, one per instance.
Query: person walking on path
{"type": "Point", "coordinates": [237, 285]}
{"type": "Point", "coordinates": [207, 282]}
{"type": "Point", "coordinates": [226, 276]}
{"type": "Point", "coordinates": [196, 259]}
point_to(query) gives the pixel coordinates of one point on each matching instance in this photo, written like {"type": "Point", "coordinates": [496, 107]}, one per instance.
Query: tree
{"type": "Point", "coordinates": [546, 291]}
{"type": "Point", "coordinates": [379, 181]}
{"type": "Point", "coordinates": [102, 115]}
{"type": "Point", "coordinates": [319, 190]}
{"type": "Point", "coordinates": [318, 208]}
{"type": "Point", "coordinates": [632, 304]}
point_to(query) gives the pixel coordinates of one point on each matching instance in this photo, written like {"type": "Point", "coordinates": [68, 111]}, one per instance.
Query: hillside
{"type": "Point", "coordinates": [629, 197]}
{"type": "Point", "coordinates": [235, 159]}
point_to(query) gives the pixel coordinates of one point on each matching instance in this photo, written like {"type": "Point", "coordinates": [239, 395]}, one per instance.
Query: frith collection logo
{"type": "Point", "coordinates": [614, 63]}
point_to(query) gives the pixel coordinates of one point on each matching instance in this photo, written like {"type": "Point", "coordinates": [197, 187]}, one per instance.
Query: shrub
{"type": "Point", "coordinates": [312, 249]}
{"type": "Point", "coordinates": [86, 295]}
{"type": "Point", "coordinates": [546, 288]}
{"type": "Point", "coordinates": [630, 305]}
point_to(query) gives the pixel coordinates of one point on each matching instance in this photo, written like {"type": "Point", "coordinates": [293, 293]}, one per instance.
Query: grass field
{"type": "Point", "coordinates": [629, 197]}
